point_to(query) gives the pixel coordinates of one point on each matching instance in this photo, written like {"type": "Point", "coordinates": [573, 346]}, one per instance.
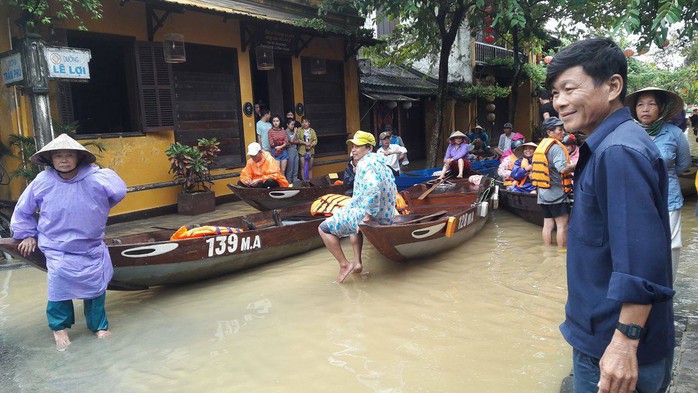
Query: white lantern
{"type": "Point", "coordinates": [407, 104]}
{"type": "Point", "coordinates": [391, 104]}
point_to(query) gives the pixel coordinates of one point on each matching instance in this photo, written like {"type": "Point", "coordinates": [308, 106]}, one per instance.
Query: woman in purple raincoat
{"type": "Point", "coordinates": [73, 198]}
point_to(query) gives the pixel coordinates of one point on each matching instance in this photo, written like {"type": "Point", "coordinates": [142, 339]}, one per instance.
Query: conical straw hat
{"type": "Point", "coordinates": [62, 142]}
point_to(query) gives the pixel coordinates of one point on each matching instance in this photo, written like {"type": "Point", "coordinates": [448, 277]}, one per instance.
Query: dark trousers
{"type": "Point", "coordinates": [61, 315]}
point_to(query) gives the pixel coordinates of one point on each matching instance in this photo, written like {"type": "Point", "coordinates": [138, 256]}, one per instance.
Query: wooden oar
{"type": "Point", "coordinates": [427, 192]}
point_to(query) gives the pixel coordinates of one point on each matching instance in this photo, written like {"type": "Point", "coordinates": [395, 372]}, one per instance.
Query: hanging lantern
{"type": "Point", "coordinates": [317, 66]}
{"type": "Point", "coordinates": [628, 52]}
{"type": "Point", "coordinates": [265, 57]}
{"type": "Point", "coordinates": [489, 39]}
{"type": "Point", "coordinates": [490, 79]}
{"type": "Point", "coordinates": [391, 104]}
{"type": "Point", "coordinates": [488, 9]}
{"type": "Point", "coordinates": [173, 48]}
{"type": "Point", "coordinates": [491, 107]}
{"type": "Point", "coordinates": [489, 29]}
{"type": "Point", "coordinates": [491, 117]}
{"type": "Point", "coordinates": [488, 19]}
{"type": "Point", "coordinates": [490, 98]}
{"type": "Point", "coordinates": [642, 51]}
{"type": "Point", "coordinates": [407, 104]}
{"type": "Point", "coordinates": [665, 43]}
{"type": "Point", "coordinates": [548, 59]}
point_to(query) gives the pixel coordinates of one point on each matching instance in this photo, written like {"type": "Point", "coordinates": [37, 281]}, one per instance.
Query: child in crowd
{"type": "Point", "coordinates": [522, 168]}
{"type": "Point", "coordinates": [278, 142]}
{"type": "Point", "coordinates": [74, 198]}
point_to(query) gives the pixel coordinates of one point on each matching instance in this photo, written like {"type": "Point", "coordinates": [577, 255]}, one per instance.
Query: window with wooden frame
{"type": "Point", "coordinates": [207, 103]}
{"type": "Point", "coordinates": [107, 103]}
{"type": "Point", "coordinates": [324, 106]}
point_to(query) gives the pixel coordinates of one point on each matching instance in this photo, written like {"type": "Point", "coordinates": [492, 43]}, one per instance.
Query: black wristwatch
{"type": "Point", "coordinates": [632, 330]}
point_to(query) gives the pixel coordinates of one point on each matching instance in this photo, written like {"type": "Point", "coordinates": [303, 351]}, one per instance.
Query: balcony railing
{"type": "Point", "coordinates": [484, 52]}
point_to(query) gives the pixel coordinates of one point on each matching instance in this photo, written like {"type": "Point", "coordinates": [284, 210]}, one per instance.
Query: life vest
{"type": "Point", "coordinates": [202, 231]}
{"type": "Point", "coordinates": [540, 175]}
{"type": "Point", "coordinates": [327, 204]}
{"type": "Point", "coordinates": [524, 164]}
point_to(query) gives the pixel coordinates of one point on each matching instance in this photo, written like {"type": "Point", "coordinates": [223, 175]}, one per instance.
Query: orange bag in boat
{"type": "Point", "coordinates": [327, 204]}
{"type": "Point", "coordinates": [401, 204]}
{"type": "Point", "coordinates": [206, 230]}
{"type": "Point", "coordinates": [338, 182]}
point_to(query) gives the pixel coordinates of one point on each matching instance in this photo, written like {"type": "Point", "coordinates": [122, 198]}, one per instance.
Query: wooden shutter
{"type": "Point", "coordinates": [155, 86]}
{"type": "Point", "coordinates": [324, 105]}
{"type": "Point", "coordinates": [64, 94]}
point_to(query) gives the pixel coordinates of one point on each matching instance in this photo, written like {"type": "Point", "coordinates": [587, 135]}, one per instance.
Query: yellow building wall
{"type": "Point", "coordinates": [140, 159]}
{"type": "Point", "coordinates": [524, 121]}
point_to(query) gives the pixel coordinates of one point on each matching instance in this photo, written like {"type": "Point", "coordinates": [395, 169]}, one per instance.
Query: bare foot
{"type": "Point", "coordinates": [62, 339]}
{"type": "Point", "coordinates": [103, 333]}
{"type": "Point", "coordinates": [344, 271]}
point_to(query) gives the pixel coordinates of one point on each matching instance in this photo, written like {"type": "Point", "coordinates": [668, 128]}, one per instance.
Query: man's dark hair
{"type": "Point", "coordinates": [264, 110]}
{"type": "Point", "coordinates": [304, 118]}
{"type": "Point", "coordinates": [600, 58]}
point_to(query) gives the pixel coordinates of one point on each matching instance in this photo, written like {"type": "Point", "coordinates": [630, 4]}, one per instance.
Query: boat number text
{"type": "Point", "coordinates": [465, 219]}
{"type": "Point", "coordinates": [228, 244]}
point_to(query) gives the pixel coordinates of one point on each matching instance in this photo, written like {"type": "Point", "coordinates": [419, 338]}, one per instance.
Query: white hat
{"type": "Point", "coordinates": [518, 151]}
{"type": "Point", "coordinates": [253, 149]}
{"type": "Point", "coordinates": [62, 142]}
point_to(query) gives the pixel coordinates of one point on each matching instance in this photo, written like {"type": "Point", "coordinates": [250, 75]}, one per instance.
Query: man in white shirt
{"type": "Point", "coordinates": [505, 139]}
{"type": "Point", "coordinates": [393, 154]}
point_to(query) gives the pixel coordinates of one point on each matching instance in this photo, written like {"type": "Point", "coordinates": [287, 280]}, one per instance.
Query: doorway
{"type": "Point", "coordinates": [274, 88]}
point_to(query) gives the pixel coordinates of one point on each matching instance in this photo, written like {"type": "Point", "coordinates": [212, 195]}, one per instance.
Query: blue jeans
{"type": "Point", "coordinates": [652, 378]}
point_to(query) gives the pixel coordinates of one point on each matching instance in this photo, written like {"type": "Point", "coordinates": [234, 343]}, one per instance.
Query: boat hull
{"type": "Point", "coordinates": [151, 259]}
{"type": "Point", "coordinates": [278, 198]}
{"type": "Point", "coordinates": [524, 205]}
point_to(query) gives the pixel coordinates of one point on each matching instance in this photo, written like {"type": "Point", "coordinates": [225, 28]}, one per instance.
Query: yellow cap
{"type": "Point", "coordinates": [362, 138]}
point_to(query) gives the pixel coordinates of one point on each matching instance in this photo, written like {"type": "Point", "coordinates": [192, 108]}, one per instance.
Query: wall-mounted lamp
{"type": "Point", "coordinates": [391, 104]}
{"type": "Point", "coordinates": [407, 104]}
{"type": "Point", "coordinates": [173, 48]}
{"type": "Point", "coordinates": [265, 57]}
{"type": "Point", "coordinates": [318, 66]}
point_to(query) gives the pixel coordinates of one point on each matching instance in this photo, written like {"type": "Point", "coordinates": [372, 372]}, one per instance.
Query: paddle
{"type": "Point", "coordinates": [427, 192]}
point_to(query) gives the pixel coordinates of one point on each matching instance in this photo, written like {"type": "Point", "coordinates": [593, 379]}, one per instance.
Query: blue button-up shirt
{"type": "Point", "coordinates": [619, 248]}
{"type": "Point", "coordinates": [673, 146]}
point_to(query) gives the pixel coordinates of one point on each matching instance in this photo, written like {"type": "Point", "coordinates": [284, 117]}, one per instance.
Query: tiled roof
{"type": "Point", "coordinates": [394, 79]}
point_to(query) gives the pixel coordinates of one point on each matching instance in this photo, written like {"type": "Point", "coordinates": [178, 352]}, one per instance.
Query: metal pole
{"type": "Point", "coordinates": [36, 86]}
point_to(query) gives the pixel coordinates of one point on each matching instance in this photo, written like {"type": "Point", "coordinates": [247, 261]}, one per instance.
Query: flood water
{"type": "Point", "coordinates": [479, 318]}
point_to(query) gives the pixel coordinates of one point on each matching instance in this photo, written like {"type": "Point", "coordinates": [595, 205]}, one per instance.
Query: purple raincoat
{"type": "Point", "coordinates": [72, 221]}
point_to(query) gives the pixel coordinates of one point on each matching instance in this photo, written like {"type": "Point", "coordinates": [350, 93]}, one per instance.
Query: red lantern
{"type": "Point", "coordinates": [488, 9]}
{"type": "Point", "coordinates": [628, 52]}
{"type": "Point", "coordinates": [489, 39]}
{"type": "Point", "coordinates": [488, 20]}
{"type": "Point", "coordinates": [489, 29]}
{"type": "Point", "coordinates": [547, 59]}
{"type": "Point", "coordinates": [665, 43]}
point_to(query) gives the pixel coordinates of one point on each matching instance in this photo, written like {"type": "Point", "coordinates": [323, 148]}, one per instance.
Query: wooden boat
{"type": "Point", "coordinates": [524, 205]}
{"type": "Point", "coordinates": [451, 192]}
{"type": "Point", "coordinates": [277, 198]}
{"type": "Point", "coordinates": [409, 179]}
{"type": "Point", "coordinates": [432, 226]}
{"type": "Point", "coordinates": [149, 259]}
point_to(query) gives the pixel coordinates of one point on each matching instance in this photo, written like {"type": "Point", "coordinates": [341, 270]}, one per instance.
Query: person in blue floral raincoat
{"type": "Point", "coordinates": [373, 199]}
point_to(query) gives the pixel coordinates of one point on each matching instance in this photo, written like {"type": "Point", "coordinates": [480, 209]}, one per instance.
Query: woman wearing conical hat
{"type": "Point", "coordinates": [74, 198]}
{"type": "Point", "coordinates": [653, 107]}
{"type": "Point", "coordinates": [456, 157]}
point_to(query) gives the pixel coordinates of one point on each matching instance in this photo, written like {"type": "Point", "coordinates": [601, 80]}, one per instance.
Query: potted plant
{"type": "Point", "coordinates": [190, 166]}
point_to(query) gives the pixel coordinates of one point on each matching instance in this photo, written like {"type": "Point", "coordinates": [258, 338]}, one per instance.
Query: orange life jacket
{"type": "Point", "coordinates": [206, 230]}
{"type": "Point", "coordinates": [540, 175]}
{"type": "Point", "coordinates": [524, 164]}
{"type": "Point", "coordinates": [327, 204]}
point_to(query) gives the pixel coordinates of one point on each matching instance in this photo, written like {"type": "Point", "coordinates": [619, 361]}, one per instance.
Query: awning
{"type": "Point", "coordinates": [389, 97]}
{"type": "Point", "coordinates": [290, 14]}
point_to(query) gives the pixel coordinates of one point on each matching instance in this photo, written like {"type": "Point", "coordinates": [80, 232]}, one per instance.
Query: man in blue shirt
{"type": "Point", "coordinates": [619, 312]}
